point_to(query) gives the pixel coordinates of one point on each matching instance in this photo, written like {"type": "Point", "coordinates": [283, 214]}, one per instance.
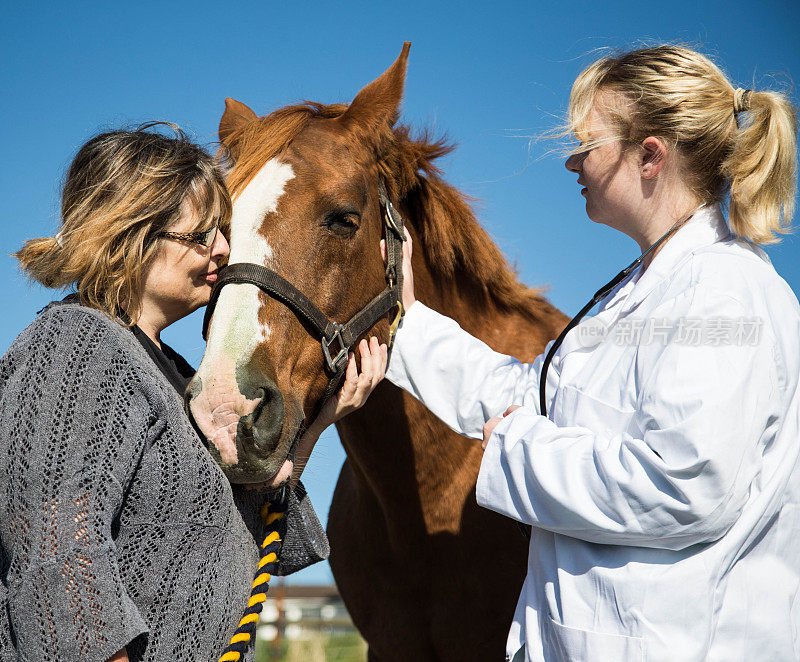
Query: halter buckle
{"type": "Point", "coordinates": [332, 362]}
{"type": "Point", "coordinates": [391, 275]}
{"type": "Point", "coordinates": [396, 322]}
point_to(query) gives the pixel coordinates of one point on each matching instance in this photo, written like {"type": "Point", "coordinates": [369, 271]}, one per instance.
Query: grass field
{"type": "Point", "coordinates": [348, 647]}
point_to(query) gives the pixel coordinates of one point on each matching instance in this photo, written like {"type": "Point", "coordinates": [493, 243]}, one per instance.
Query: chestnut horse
{"type": "Point", "coordinates": [425, 573]}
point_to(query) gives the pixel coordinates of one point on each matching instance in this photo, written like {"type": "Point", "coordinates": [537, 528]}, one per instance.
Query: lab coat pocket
{"type": "Point", "coordinates": [579, 408]}
{"type": "Point", "coordinates": [570, 644]}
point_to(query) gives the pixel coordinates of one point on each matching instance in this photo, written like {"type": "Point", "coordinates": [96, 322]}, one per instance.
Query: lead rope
{"type": "Point", "coordinates": [246, 631]}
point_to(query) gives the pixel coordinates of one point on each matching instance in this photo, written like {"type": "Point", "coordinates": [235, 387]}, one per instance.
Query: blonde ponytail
{"type": "Point", "coordinates": [762, 168]}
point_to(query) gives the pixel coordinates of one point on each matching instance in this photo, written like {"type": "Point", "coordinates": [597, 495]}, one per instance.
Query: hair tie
{"type": "Point", "coordinates": [741, 100]}
{"type": "Point", "coordinates": [59, 239]}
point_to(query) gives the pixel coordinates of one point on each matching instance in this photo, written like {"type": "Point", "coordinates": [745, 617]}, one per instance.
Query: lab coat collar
{"type": "Point", "coordinates": [706, 227]}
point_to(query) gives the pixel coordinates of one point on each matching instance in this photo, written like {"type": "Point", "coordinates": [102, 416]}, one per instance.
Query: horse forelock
{"type": "Point", "coordinates": [257, 142]}
{"type": "Point", "coordinates": [455, 245]}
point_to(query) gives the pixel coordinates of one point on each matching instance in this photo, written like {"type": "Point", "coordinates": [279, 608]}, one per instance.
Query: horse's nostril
{"type": "Point", "coordinates": [262, 395]}
{"type": "Point", "coordinates": [247, 422]}
{"type": "Point", "coordinates": [263, 425]}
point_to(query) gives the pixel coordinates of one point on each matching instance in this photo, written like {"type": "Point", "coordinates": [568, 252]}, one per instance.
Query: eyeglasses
{"type": "Point", "coordinates": [205, 238]}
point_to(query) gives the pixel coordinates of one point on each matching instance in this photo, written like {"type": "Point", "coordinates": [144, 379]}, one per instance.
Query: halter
{"type": "Point", "coordinates": [336, 339]}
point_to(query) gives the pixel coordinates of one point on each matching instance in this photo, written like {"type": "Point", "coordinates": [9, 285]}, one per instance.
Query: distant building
{"type": "Point", "coordinates": [300, 612]}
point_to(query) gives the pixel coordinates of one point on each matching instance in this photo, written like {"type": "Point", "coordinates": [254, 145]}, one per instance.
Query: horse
{"type": "Point", "coordinates": [425, 573]}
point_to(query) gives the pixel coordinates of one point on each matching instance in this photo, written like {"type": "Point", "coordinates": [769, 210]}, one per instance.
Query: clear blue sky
{"type": "Point", "coordinates": [486, 73]}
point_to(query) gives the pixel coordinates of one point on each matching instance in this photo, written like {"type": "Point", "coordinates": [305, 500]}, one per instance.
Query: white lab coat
{"type": "Point", "coordinates": [663, 486]}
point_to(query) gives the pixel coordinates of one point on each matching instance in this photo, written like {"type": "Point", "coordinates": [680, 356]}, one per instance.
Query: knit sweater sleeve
{"type": "Point", "coordinates": [304, 539]}
{"type": "Point", "coordinates": [75, 419]}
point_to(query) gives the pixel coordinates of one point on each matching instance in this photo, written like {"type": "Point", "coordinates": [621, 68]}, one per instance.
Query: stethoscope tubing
{"type": "Point", "coordinates": [599, 296]}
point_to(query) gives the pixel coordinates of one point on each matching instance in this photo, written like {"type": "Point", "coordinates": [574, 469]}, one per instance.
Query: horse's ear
{"type": "Point", "coordinates": [378, 102]}
{"type": "Point", "coordinates": [236, 114]}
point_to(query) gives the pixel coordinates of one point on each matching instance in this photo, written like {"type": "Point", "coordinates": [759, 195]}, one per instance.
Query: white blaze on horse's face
{"type": "Point", "coordinates": [235, 331]}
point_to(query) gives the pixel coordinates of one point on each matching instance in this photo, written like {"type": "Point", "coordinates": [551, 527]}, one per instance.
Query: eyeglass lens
{"type": "Point", "coordinates": [210, 236]}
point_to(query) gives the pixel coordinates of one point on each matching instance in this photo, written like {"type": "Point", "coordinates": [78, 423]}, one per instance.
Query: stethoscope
{"type": "Point", "coordinates": [599, 295]}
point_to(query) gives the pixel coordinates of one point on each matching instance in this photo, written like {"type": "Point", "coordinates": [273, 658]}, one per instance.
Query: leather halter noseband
{"type": "Point", "coordinates": [336, 339]}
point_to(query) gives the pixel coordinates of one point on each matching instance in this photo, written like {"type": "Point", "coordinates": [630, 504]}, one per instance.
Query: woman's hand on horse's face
{"type": "Point", "coordinates": [351, 396]}
{"type": "Point", "coordinates": [357, 387]}
{"type": "Point", "coordinates": [408, 273]}
{"type": "Point", "coordinates": [490, 425]}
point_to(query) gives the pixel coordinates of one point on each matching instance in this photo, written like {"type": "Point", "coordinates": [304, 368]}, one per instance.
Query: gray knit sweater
{"type": "Point", "coordinates": [116, 527]}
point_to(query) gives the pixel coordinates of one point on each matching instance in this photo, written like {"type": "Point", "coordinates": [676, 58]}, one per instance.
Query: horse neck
{"type": "Point", "coordinates": [415, 467]}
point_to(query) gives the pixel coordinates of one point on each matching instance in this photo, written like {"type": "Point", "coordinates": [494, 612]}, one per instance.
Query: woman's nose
{"type": "Point", "coordinates": [220, 249]}
{"type": "Point", "coordinates": [573, 163]}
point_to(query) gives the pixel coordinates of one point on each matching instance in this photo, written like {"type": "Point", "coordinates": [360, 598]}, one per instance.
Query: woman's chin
{"type": "Point", "coordinates": [202, 283]}
{"type": "Point", "coordinates": [201, 294]}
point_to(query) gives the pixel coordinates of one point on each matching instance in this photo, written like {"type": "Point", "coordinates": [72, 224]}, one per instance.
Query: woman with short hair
{"type": "Point", "coordinates": [120, 538]}
{"type": "Point", "coordinates": [663, 484]}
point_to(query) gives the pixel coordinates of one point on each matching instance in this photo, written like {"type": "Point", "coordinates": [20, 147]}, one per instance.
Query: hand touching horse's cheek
{"type": "Point", "coordinates": [353, 394]}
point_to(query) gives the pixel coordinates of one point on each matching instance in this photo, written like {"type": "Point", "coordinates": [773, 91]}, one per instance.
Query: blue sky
{"type": "Point", "coordinates": [489, 75]}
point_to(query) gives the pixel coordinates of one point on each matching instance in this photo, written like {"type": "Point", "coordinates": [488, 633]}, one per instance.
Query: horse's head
{"type": "Point", "coordinates": [304, 181]}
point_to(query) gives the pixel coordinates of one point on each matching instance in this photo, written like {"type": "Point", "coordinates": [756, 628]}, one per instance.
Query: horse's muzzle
{"type": "Point", "coordinates": [246, 434]}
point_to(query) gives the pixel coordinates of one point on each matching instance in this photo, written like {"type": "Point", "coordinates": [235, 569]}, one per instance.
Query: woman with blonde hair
{"type": "Point", "coordinates": [120, 538]}
{"type": "Point", "coordinates": [655, 452]}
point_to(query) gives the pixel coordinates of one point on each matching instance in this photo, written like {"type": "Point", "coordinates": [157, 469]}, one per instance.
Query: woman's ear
{"type": "Point", "coordinates": [654, 152]}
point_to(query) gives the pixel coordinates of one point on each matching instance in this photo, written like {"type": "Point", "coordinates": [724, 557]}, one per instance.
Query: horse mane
{"type": "Point", "coordinates": [457, 248]}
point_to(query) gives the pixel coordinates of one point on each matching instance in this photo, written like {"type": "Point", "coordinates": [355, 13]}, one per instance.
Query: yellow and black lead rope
{"type": "Point", "coordinates": [246, 631]}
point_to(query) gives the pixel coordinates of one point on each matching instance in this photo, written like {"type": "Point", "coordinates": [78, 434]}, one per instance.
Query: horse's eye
{"type": "Point", "coordinates": [342, 222]}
